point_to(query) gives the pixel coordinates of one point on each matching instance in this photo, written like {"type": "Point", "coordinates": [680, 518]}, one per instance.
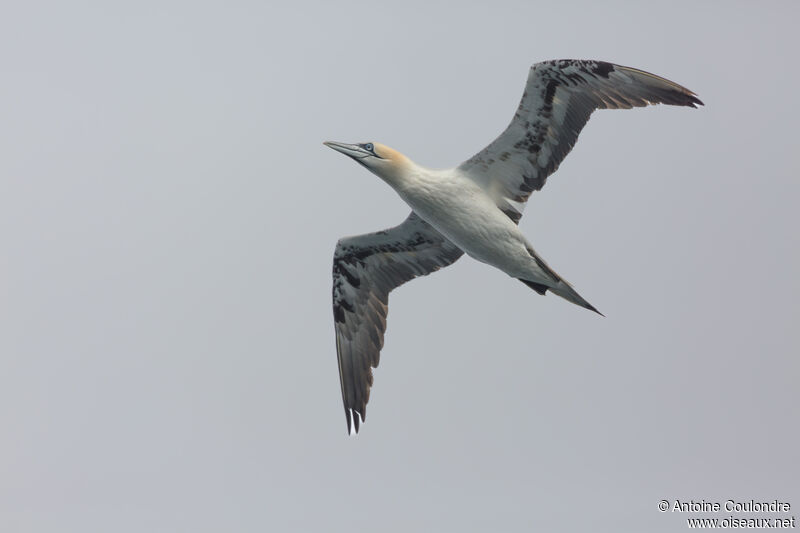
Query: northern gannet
{"type": "Point", "coordinates": [474, 207]}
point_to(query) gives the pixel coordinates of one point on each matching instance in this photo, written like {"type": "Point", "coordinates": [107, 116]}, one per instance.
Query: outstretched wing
{"type": "Point", "coordinates": [365, 269]}
{"type": "Point", "coordinates": [558, 99]}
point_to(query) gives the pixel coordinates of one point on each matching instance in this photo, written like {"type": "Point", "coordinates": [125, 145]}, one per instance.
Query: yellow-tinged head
{"type": "Point", "coordinates": [385, 162]}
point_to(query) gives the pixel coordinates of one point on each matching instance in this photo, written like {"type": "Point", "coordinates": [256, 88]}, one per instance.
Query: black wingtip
{"type": "Point", "coordinates": [353, 421]}
{"type": "Point", "coordinates": [694, 100]}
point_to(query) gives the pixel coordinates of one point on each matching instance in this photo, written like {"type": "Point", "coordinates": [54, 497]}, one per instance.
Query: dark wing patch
{"type": "Point", "coordinates": [365, 270]}
{"type": "Point", "coordinates": [559, 97]}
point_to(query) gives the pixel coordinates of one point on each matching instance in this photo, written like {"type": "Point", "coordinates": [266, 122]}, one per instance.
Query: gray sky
{"type": "Point", "coordinates": [168, 216]}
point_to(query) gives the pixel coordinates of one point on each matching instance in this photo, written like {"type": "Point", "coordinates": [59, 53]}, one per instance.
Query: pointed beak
{"type": "Point", "coordinates": [352, 150]}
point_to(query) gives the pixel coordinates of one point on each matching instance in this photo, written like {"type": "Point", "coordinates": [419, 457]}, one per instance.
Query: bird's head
{"type": "Point", "coordinates": [379, 159]}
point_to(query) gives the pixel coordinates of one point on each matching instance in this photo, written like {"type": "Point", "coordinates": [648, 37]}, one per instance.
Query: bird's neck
{"type": "Point", "coordinates": [400, 173]}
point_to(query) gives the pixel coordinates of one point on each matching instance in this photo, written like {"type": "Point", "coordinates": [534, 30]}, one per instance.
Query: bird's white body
{"type": "Point", "coordinates": [467, 215]}
{"type": "Point", "coordinates": [473, 208]}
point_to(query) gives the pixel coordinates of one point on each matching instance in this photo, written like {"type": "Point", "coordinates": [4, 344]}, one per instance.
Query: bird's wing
{"type": "Point", "coordinates": [558, 99]}
{"type": "Point", "coordinates": [365, 269]}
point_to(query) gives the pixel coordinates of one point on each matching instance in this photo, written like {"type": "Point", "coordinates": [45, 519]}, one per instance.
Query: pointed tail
{"type": "Point", "coordinates": [564, 290]}
{"type": "Point", "coordinates": [554, 283]}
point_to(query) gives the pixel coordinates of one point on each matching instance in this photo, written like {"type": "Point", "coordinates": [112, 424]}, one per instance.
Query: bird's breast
{"type": "Point", "coordinates": [461, 211]}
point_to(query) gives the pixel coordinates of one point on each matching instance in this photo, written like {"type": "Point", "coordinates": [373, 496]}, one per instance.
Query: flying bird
{"type": "Point", "coordinates": [474, 207]}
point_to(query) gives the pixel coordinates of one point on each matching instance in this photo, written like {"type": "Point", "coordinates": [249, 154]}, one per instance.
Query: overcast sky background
{"type": "Point", "coordinates": [168, 215]}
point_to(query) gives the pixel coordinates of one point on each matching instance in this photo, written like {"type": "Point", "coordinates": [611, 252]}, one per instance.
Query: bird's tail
{"type": "Point", "coordinates": [553, 283]}
{"type": "Point", "coordinates": [566, 291]}
{"type": "Point", "coordinates": [563, 289]}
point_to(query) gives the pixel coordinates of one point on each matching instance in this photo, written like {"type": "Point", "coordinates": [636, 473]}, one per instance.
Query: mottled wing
{"type": "Point", "coordinates": [558, 99]}
{"type": "Point", "coordinates": [365, 269]}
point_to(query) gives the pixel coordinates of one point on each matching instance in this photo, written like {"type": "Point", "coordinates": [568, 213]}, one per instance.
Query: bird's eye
{"type": "Point", "coordinates": [369, 147]}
